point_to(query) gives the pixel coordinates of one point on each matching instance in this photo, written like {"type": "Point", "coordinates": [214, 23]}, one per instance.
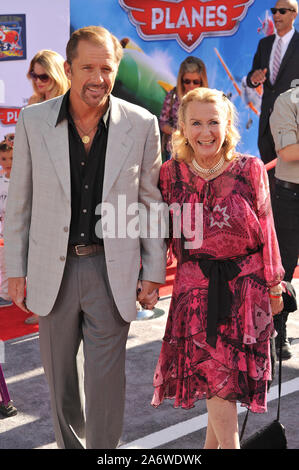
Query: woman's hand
{"type": "Point", "coordinates": [276, 300]}
{"type": "Point", "coordinates": [276, 305]}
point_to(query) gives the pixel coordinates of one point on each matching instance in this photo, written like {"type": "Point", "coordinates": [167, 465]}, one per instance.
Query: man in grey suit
{"type": "Point", "coordinates": [73, 155]}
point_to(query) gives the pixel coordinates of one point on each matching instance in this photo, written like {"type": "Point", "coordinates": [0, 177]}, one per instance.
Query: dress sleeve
{"type": "Point", "coordinates": [273, 268]}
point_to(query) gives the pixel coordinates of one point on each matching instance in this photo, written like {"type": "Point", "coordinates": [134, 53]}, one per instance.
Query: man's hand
{"type": "Point", "coordinates": [258, 77]}
{"type": "Point", "coordinates": [148, 294]}
{"type": "Point", "coordinates": [16, 290]}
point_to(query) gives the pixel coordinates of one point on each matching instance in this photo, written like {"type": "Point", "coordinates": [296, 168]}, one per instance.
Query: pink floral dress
{"type": "Point", "coordinates": [237, 225]}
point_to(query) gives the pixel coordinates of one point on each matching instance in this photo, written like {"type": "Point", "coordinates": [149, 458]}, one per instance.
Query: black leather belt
{"type": "Point", "coordinates": [287, 185]}
{"type": "Point", "coordinates": [84, 250]}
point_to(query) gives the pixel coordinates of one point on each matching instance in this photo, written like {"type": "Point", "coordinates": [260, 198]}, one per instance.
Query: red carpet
{"type": "Point", "coordinates": [12, 318]}
{"type": "Point", "coordinates": [12, 323]}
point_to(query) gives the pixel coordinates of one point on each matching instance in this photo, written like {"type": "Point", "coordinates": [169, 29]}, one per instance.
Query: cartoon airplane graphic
{"type": "Point", "coordinates": [250, 96]}
{"type": "Point", "coordinates": [10, 37]}
{"type": "Point", "coordinates": [140, 80]}
{"type": "Point", "coordinates": [267, 23]}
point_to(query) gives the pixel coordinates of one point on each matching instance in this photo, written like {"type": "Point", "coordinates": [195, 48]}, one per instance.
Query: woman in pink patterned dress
{"type": "Point", "coordinates": [227, 287]}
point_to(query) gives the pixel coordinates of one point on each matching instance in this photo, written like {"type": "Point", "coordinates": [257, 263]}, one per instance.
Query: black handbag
{"type": "Point", "coordinates": [273, 435]}
{"type": "Point", "coordinates": [289, 298]}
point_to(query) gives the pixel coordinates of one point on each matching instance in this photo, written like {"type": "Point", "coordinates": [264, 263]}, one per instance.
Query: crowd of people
{"type": "Point", "coordinates": [229, 284]}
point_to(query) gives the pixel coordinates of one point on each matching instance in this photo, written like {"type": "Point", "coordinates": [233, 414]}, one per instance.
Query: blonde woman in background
{"type": "Point", "coordinates": [192, 74]}
{"type": "Point", "coordinates": [46, 71]}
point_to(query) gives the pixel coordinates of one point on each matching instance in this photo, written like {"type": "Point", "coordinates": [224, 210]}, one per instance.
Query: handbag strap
{"type": "Point", "coordinates": [279, 382]}
{"type": "Point", "coordinates": [280, 367]}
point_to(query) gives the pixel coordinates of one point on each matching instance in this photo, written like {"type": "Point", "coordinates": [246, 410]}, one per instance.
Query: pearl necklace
{"type": "Point", "coordinates": [208, 171]}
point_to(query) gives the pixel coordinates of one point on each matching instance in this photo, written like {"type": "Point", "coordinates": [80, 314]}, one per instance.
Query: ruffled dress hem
{"type": "Point", "coordinates": [191, 370]}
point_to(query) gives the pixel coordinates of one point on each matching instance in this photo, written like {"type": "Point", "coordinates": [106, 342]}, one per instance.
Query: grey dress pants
{"type": "Point", "coordinates": [87, 388]}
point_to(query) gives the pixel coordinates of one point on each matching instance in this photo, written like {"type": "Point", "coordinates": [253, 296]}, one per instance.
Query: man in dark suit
{"type": "Point", "coordinates": [276, 66]}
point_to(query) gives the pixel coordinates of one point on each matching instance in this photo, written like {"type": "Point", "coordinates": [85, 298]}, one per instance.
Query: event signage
{"type": "Point", "coordinates": [26, 27]}
{"type": "Point", "coordinates": [12, 37]}
{"type": "Point", "coordinates": [9, 115]}
{"type": "Point", "coordinates": [187, 21]}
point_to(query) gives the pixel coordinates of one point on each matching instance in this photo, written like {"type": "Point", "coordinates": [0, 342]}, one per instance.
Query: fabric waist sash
{"type": "Point", "coordinates": [220, 272]}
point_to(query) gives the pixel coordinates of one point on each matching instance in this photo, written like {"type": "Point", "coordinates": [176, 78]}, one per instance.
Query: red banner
{"type": "Point", "coordinates": [9, 116]}
{"type": "Point", "coordinates": [187, 21]}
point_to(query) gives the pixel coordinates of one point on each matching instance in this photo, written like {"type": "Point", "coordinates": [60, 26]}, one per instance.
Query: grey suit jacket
{"type": "Point", "coordinates": [38, 210]}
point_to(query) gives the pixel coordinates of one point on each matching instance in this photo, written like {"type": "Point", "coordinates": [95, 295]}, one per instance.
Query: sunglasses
{"type": "Point", "coordinates": [187, 81]}
{"type": "Point", "coordinates": [282, 11]}
{"type": "Point", "coordinates": [10, 138]}
{"type": "Point", "coordinates": [43, 77]}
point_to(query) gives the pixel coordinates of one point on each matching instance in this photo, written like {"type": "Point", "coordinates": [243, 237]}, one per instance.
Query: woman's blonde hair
{"type": "Point", "coordinates": [191, 65]}
{"type": "Point", "coordinates": [182, 151]}
{"type": "Point", "coordinates": [53, 63]}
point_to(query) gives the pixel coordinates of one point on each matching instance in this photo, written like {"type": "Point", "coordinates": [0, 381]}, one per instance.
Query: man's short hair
{"type": "Point", "coordinates": [95, 34]}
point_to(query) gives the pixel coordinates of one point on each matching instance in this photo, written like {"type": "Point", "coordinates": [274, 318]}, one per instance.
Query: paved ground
{"type": "Point", "coordinates": [145, 427]}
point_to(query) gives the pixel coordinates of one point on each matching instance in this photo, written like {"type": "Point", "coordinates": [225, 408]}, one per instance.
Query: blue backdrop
{"type": "Point", "coordinates": [234, 52]}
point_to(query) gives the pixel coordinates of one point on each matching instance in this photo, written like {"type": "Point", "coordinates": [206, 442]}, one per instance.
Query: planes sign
{"type": "Point", "coordinates": [187, 21]}
{"type": "Point", "coordinates": [9, 116]}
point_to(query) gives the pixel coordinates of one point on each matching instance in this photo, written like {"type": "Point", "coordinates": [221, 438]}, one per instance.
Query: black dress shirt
{"type": "Point", "coordinates": [87, 175]}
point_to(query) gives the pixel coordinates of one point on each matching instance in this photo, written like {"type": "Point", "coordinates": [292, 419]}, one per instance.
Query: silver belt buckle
{"type": "Point", "coordinates": [76, 250]}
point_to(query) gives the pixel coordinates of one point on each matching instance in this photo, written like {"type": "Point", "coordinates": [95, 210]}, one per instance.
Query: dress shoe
{"type": "Point", "coordinates": [280, 323]}
{"type": "Point", "coordinates": [32, 320]}
{"type": "Point", "coordinates": [286, 352]}
{"type": "Point", "coordinates": [8, 410]}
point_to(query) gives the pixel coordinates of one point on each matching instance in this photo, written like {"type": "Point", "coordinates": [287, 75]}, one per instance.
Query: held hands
{"type": "Point", "coordinates": [258, 77]}
{"type": "Point", "coordinates": [16, 291]}
{"type": "Point", "coordinates": [147, 294]}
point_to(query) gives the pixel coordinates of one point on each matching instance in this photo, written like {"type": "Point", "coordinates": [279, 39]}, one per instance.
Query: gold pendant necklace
{"type": "Point", "coordinates": [86, 139]}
